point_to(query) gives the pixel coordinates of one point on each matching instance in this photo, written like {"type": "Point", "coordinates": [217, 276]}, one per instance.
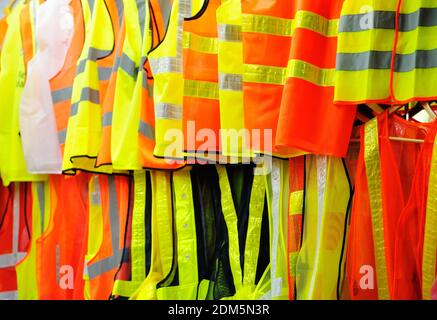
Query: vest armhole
{"type": "Point", "coordinates": [199, 14]}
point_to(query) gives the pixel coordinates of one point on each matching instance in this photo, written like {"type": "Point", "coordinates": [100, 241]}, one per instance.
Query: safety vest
{"type": "Point", "coordinates": [12, 78]}
{"type": "Point", "coordinates": [327, 198]}
{"type": "Point", "coordinates": [308, 119]}
{"type": "Point", "coordinates": [29, 277]}
{"type": "Point", "coordinates": [386, 52]}
{"type": "Point", "coordinates": [108, 217]}
{"type": "Point", "coordinates": [267, 31]}
{"type": "Point", "coordinates": [384, 187]}
{"type": "Point", "coordinates": [62, 84]}
{"type": "Point", "coordinates": [295, 216]}
{"type": "Point", "coordinates": [201, 109]}
{"type": "Point", "coordinates": [166, 64]}
{"type": "Point", "coordinates": [59, 260]}
{"type": "Point", "coordinates": [90, 85]}
{"type": "Point", "coordinates": [13, 236]}
{"type": "Point", "coordinates": [151, 242]}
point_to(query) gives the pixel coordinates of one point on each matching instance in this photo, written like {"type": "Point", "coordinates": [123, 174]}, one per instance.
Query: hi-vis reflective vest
{"type": "Point", "coordinates": [327, 195]}
{"type": "Point", "coordinates": [267, 31]}
{"type": "Point", "coordinates": [89, 88]}
{"type": "Point", "coordinates": [108, 215]}
{"type": "Point", "coordinates": [62, 84]}
{"type": "Point", "coordinates": [13, 236]}
{"type": "Point", "coordinates": [151, 248]}
{"type": "Point", "coordinates": [415, 252]}
{"type": "Point", "coordinates": [15, 52]}
{"type": "Point", "coordinates": [386, 52]}
{"type": "Point", "coordinates": [166, 64]}
{"type": "Point", "coordinates": [385, 190]}
{"type": "Point", "coordinates": [201, 109]}
{"type": "Point", "coordinates": [308, 119]}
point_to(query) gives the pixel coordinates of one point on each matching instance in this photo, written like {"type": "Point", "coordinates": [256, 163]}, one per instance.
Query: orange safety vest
{"type": "Point", "coordinates": [14, 235]}
{"type": "Point", "coordinates": [267, 31]}
{"type": "Point", "coordinates": [201, 107]}
{"type": "Point", "coordinates": [109, 195]}
{"type": "Point", "coordinates": [296, 209]}
{"type": "Point", "coordinates": [62, 84]}
{"type": "Point", "coordinates": [308, 119]}
{"type": "Point", "coordinates": [383, 185]}
{"type": "Point", "coordinates": [61, 248]}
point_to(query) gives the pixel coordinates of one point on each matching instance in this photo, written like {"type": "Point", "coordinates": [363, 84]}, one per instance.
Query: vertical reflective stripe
{"type": "Point", "coordinates": [11, 259]}
{"type": "Point", "coordinates": [16, 218]}
{"type": "Point", "coordinates": [104, 73]}
{"type": "Point", "coordinates": [256, 208]}
{"type": "Point", "coordinates": [185, 229]}
{"type": "Point", "coordinates": [276, 185]}
{"type": "Point", "coordinates": [430, 236]}
{"type": "Point", "coordinates": [41, 198]}
{"type": "Point", "coordinates": [165, 7]}
{"type": "Point", "coordinates": [58, 263]}
{"type": "Point", "coordinates": [9, 295]}
{"type": "Point", "coordinates": [138, 245]}
{"type": "Point", "coordinates": [62, 136]}
{"type": "Point", "coordinates": [231, 82]}
{"type": "Point", "coordinates": [141, 10]}
{"type": "Point", "coordinates": [120, 11]}
{"type": "Point", "coordinates": [373, 173]}
{"type": "Point", "coordinates": [230, 217]}
{"type": "Point", "coordinates": [147, 130]}
{"type": "Point", "coordinates": [107, 119]}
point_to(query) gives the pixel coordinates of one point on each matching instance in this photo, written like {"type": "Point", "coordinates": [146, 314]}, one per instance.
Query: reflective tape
{"type": "Point", "coordinates": [166, 65]}
{"type": "Point", "coordinates": [229, 32]}
{"type": "Point", "coordinates": [11, 259]}
{"type": "Point", "coordinates": [62, 95]}
{"type": "Point", "coordinates": [88, 94]}
{"type": "Point", "coordinates": [16, 218]}
{"type": "Point", "coordinates": [364, 60]}
{"type": "Point", "coordinates": [165, 7]}
{"type": "Point", "coordinates": [93, 55]}
{"type": "Point", "coordinates": [41, 200]}
{"type": "Point", "coordinates": [107, 119]}
{"type": "Point", "coordinates": [120, 10]}
{"type": "Point", "coordinates": [201, 89]}
{"type": "Point", "coordinates": [185, 8]}
{"type": "Point", "coordinates": [147, 130]}
{"type": "Point", "coordinates": [104, 73]}
{"type": "Point", "coordinates": [311, 73]}
{"type": "Point", "coordinates": [317, 23]}
{"type": "Point", "coordinates": [199, 43]}
{"type": "Point", "coordinates": [420, 59]}
{"type": "Point", "coordinates": [62, 136]}
{"type": "Point", "coordinates": [267, 25]}
{"type": "Point", "coordinates": [231, 82]}
{"type": "Point", "coordinates": [129, 66]}
{"type": "Point", "coordinates": [9, 295]}
{"type": "Point", "coordinates": [146, 85]}
{"type": "Point", "coordinates": [168, 111]}
{"type": "Point", "coordinates": [141, 9]}
{"type": "Point", "coordinates": [424, 17]}
{"type": "Point", "coordinates": [264, 74]}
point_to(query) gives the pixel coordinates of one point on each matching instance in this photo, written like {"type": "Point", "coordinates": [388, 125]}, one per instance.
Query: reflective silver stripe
{"type": "Point", "coordinates": [41, 199]}
{"type": "Point", "coordinates": [276, 192]}
{"type": "Point", "coordinates": [424, 17]}
{"type": "Point", "coordinates": [147, 130]}
{"type": "Point", "coordinates": [62, 136]}
{"type": "Point", "coordinates": [9, 295]}
{"type": "Point", "coordinates": [364, 60]}
{"type": "Point", "coordinates": [421, 59]}
{"type": "Point", "coordinates": [16, 218]}
{"type": "Point", "coordinates": [230, 32]}
{"type": "Point", "coordinates": [58, 262]}
{"type": "Point", "coordinates": [168, 111]}
{"type": "Point", "coordinates": [88, 94]}
{"type": "Point", "coordinates": [96, 195]}
{"type": "Point", "coordinates": [141, 15]}
{"type": "Point", "coordinates": [165, 7]}
{"type": "Point", "coordinates": [11, 259]}
{"type": "Point", "coordinates": [93, 55]}
{"type": "Point", "coordinates": [61, 95]}
{"type": "Point", "coordinates": [91, 3]}
{"type": "Point", "coordinates": [107, 119]}
{"type": "Point", "coordinates": [128, 66]}
{"type": "Point", "coordinates": [109, 263]}
{"type": "Point", "coordinates": [232, 82]}
{"type": "Point", "coordinates": [185, 9]}
{"type": "Point", "coordinates": [166, 65]}
{"type": "Point", "coordinates": [120, 11]}
{"type": "Point", "coordinates": [104, 73]}
{"type": "Point", "coordinates": [146, 85]}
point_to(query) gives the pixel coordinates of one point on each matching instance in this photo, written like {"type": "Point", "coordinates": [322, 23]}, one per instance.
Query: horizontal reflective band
{"type": "Point", "coordinates": [61, 95]}
{"type": "Point", "coordinates": [424, 17]}
{"type": "Point", "coordinates": [166, 65]}
{"type": "Point", "coordinates": [267, 24]}
{"type": "Point", "coordinates": [264, 74]}
{"type": "Point", "coordinates": [9, 295]}
{"type": "Point", "coordinates": [199, 43]}
{"type": "Point", "coordinates": [421, 59]}
{"type": "Point", "coordinates": [317, 23]}
{"type": "Point", "coordinates": [231, 82]}
{"type": "Point", "coordinates": [107, 119]}
{"type": "Point", "coordinates": [11, 259]}
{"type": "Point", "coordinates": [168, 111]}
{"type": "Point", "coordinates": [128, 66]}
{"type": "Point", "coordinates": [311, 73]}
{"type": "Point", "coordinates": [88, 94]}
{"type": "Point", "coordinates": [230, 32]}
{"type": "Point", "coordinates": [201, 89]}
{"type": "Point", "coordinates": [364, 60]}
{"type": "Point", "coordinates": [93, 55]}
{"type": "Point", "coordinates": [147, 130]}
{"type": "Point", "coordinates": [107, 264]}
{"type": "Point", "coordinates": [62, 136]}
{"type": "Point", "coordinates": [104, 73]}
